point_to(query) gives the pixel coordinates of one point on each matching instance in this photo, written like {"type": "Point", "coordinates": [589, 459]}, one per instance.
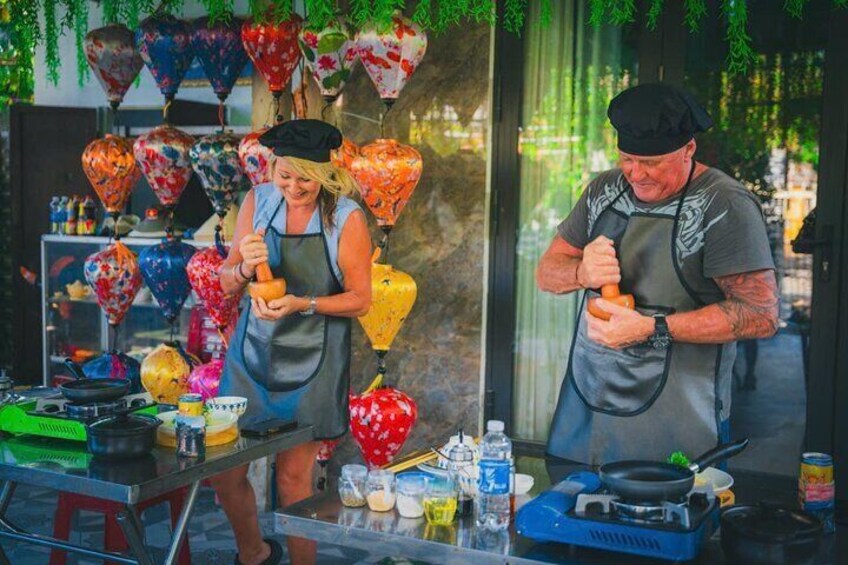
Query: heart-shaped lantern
{"type": "Point", "coordinates": [387, 173]}
{"type": "Point", "coordinates": [163, 155]}
{"type": "Point", "coordinates": [215, 159]}
{"type": "Point", "coordinates": [115, 278]}
{"type": "Point", "coordinates": [111, 169]}
{"type": "Point", "coordinates": [380, 421]}
{"type": "Point", "coordinates": [219, 49]}
{"type": "Point", "coordinates": [163, 267]}
{"type": "Point", "coordinates": [390, 55]}
{"type": "Point", "coordinates": [273, 49]}
{"type": "Point", "coordinates": [205, 379]}
{"type": "Point", "coordinates": [255, 158]}
{"type": "Point", "coordinates": [203, 271]}
{"type": "Point", "coordinates": [330, 53]}
{"type": "Point", "coordinates": [164, 43]}
{"type": "Point", "coordinates": [112, 55]}
{"type": "Point", "coordinates": [165, 371]}
{"type": "Point", "coordinates": [393, 295]}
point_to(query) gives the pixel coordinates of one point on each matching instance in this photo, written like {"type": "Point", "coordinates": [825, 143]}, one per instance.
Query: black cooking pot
{"type": "Point", "coordinates": [769, 535]}
{"type": "Point", "coordinates": [122, 436]}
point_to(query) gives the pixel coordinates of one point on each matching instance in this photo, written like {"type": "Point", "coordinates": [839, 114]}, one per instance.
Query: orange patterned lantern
{"type": "Point", "coordinates": [387, 172]}
{"type": "Point", "coordinates": [111, 169]}
{"type": "Point", "coordinates": [343, 156]}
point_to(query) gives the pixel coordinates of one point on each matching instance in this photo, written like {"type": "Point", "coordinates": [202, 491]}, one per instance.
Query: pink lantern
{"type": "Point", "coordinates": [255, 158]}
{"type": "Point", "coordinates": [204, 379]}
{"type": "Point", "coordinates": [391, 55]}
{"type": "Point", "coordinates": [203, 275]}
{"type": "Point", "coordinates": [112, 55]}
{"type": "Point", "coordinates": [115, 277]}
{"type": "Point", "coordinates": [163, 155]}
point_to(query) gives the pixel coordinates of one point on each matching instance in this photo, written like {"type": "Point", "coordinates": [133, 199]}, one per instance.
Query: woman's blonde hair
{"type": "Point", "coordinates": [335, 182]}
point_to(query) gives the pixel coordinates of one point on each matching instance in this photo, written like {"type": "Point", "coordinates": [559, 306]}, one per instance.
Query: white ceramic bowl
{"type": "Point", "coordinates": [720, 480]}
{"type": "Point", "coordinates": [235, 404]}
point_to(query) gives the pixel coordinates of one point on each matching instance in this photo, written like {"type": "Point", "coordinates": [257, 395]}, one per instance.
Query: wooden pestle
{"type": "Point", "coordinates": [266, 286]}
{"type": "Point", "coordinates": [610, 293]}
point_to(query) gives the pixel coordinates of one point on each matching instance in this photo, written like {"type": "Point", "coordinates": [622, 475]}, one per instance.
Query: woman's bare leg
{"type": "Point", "coordinates": [294, 483]}
{"type": "Point", "coordinates": [239, 503]}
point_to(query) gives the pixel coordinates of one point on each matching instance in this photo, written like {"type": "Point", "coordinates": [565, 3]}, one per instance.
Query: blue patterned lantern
{"type": "Point", "coordinates": [164, 43]}
{"type": "Point", "coordinates": [215, 160]}
{"type": "Point", "coordinates": [163, 267]}
{"type": "Point", "coordinates": [220, 51]}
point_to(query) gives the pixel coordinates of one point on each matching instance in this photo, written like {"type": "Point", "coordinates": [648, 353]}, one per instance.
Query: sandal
{"type": "Point", "coordinates": [276, 553]}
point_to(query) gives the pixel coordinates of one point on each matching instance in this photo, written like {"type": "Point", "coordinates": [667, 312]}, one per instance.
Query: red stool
{"type": "Point", "coordinates": [113, 535]}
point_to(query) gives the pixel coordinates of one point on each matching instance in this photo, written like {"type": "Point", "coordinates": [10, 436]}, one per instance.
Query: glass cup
{"type": "Point", "coordinates": [352, 485]}
{"type": "Point", "coordinates": [380, 489]}
{"type": "Point", "coordinates": [440, 502]}
{"type": "Point", "coordinates": [411, 489]}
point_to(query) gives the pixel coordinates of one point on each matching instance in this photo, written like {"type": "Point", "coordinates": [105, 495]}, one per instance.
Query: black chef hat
{"type": "Point", "coordinates": [305, 139]}
{"type": "Point", "coordinates": [656, 118]}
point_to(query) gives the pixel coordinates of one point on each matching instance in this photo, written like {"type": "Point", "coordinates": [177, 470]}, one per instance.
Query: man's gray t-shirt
{"type": "Point", "coordinates": [721, 228]}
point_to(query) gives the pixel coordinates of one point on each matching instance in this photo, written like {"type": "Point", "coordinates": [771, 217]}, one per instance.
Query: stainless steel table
{"type": "Point", "coordinates": [324, 519]}
{"type": "Point", "coordinates": [67, 466]}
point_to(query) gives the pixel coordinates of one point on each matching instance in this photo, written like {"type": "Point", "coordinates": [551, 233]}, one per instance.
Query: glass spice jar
{"type": "Point", "coordinates": [352, 485]}
{"type": "Point", "coordinates": [381, 490]}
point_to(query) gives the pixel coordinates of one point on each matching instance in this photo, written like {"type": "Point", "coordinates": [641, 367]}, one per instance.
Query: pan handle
{"type": "Point", "coordinates": [720, 453]}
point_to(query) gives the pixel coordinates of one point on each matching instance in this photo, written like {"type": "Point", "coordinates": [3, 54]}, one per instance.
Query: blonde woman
{"type": "Point", "coordinates": [291, 357]}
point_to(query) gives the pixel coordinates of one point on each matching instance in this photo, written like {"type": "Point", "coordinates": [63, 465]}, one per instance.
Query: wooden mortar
{"type": "Point", "coordinates": [266, 286]}
{"type": "Point", "coordinates": [610, 293]}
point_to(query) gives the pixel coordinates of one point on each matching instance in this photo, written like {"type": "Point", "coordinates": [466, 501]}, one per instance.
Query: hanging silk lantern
{"type": "Point", "coordinates": [387, 172]}
{"type": "Point", "coordinates": [162, 154]}
{"type": "Point", "coordinates": [112, 55]}
{"type": "Point", "coordinates": [391, 55]}
{"type": "Point", "coordinates": [393, 295]}
{"type": "Point", "coordinates": [164, 43]}
{"type": "Point", "coordinates": [330, 53]}
{"type": "Point", "coordinates": [163, 267]}
{"type": "Point", "coordinates": [255, 158]}
{"type": "Point", "coordinates": [165, 371]}
{"type": "Point", "coordinates": [203, 271]}
{"type": "Point", "coordinates": [343, 156]}
{"type": "Point", "coordinates": [111, 169]}
{"type": "Point", "coordinates": [114, 365]}
{"type": "Point", "coordinates": [114, 276]}
{"type": "Point", "coordinates": [273, 49]}
{"type": "Point", "coordinates": [381, 420]}
{"type": "Point", "coordinates": [205, 379]}
{"type": "Point", "coordinates": [220, 52]}
{"type": "Point", "coordinates": [215, 159]}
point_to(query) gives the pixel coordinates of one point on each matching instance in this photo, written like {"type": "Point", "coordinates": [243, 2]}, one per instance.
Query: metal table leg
{"type": "Point", "coordinates": [134, 533]}
{"type": "Point", "coordinates": [5, 498]}
{"type": "Point", "coordinates": [182, 524]}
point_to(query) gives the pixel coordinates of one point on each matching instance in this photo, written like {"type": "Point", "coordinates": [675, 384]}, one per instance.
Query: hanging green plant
{"type": "Point", "coordinates": [80, 24]}
{"type": "Point", "coordinates": [51, 41]}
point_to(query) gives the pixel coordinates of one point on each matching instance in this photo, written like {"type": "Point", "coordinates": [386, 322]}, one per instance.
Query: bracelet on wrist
{"type": "Point", "coordinates": [245, 277]}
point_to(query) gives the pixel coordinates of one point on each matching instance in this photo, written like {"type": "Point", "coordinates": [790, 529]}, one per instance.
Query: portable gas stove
{"type": "Point", "coordinates": [577, 512]}
{"type": "Point", "coordinates": [60, 418]}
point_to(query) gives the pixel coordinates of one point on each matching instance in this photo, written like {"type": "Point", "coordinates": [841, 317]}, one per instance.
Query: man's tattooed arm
{"type": "Point", "coordinates": [750, 311]}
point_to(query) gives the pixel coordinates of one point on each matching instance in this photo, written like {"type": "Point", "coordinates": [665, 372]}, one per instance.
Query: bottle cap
{"type": "Point", "coordinates": [494, 426]}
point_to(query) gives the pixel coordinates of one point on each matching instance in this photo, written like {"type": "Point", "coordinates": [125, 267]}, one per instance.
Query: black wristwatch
{"type": "Point", "coordinates": [661, 337]}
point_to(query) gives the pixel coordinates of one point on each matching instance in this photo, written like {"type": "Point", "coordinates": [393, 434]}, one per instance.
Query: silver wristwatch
{"type": "Point", "coordinates": [313, 305]}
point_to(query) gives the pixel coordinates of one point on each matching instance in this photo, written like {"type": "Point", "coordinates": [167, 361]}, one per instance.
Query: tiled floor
{"type": "Point", "coordinates": [211, 538]}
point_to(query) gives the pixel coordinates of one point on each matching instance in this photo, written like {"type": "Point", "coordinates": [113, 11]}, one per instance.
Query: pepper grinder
{"type": "Point", "coordinates": [460, 461]}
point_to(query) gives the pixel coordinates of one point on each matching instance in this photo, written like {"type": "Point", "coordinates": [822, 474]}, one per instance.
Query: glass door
{"type": "Point", "coordinates": [768, 127]}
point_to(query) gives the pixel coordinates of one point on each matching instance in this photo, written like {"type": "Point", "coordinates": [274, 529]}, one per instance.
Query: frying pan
{"type": "Point", "coordinates": [84, 390]}
{"type": "Point", "coordinates": [651, 481]}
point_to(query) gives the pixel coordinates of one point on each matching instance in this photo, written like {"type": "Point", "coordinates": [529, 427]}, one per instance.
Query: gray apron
{"type": "Point", "coordinates": [299, 366]}
{"type": "Point", "coordinates": [640, 402]}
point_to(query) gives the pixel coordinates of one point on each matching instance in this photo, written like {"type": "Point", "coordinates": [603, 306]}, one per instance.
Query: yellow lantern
{"type": "Point", "coordinates": [165, 371]}
{"type": "Point", "coordinates": [393, 295]}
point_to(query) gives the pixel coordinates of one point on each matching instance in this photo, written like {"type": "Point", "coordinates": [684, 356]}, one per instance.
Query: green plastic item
{"type": "Point", "coordinates": [15, 420]}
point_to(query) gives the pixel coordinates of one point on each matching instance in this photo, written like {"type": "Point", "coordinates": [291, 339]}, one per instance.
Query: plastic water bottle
{"type": "Point", "coordinates": [493, 483]}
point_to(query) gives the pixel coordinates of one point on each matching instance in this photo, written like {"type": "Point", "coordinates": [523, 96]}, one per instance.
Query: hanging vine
{"type": "Point", "coordinates": [434, 15]}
